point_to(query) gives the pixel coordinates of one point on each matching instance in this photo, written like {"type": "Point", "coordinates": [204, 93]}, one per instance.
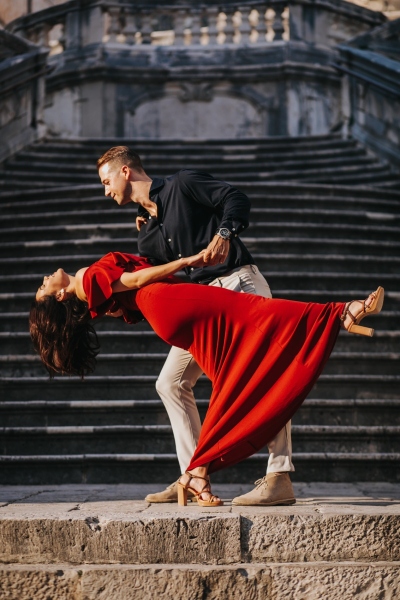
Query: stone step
{"type": "Point", "coordinates": [254, 165]}
{"type": "Point", "coordinates": [281, 229]}
{"type": "Point", "coordinates": [176, 158]}
{"type": "Point", "coordinates": [261, 216]}
{"type": "Point", "coordinates": [123, 387]}
{"type": "Point", "coordinates": [317, 411]}
{"type": "Point", "coordinates": [123, 339]}
{"type": "Point", "coordinates": [270, 262]}
{"type": "Point", "coordinates": [111, 328]}
{"type": "Point", "coordinates": [150, 363]}
{"type": "Point", "coordinates": [295, 280]}
{"type": "Point", "coordinates": [274, 198]}
{"type": "Point", "coordinates": [282, 143]}
{"type": "Point", "coordinates": [268, 200]}
{"type": "Point", "coordinates": [134, 468]}
{"type": "Point", "coordinates": [250, 187]}
{"type": "Point", "coordinates": [348, 173]}
{"type": "Point", "coordinates": [158, 439]}
{"type": "Point", "coordinates": [275, 246]}
{"type": "Point", "coordinates": [127, 532]}
{"type": "Point", "coordinates": [263, 581]}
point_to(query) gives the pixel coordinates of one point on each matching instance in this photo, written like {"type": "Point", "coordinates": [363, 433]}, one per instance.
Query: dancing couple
{"type": "Point", "coordinates": [262, 355]}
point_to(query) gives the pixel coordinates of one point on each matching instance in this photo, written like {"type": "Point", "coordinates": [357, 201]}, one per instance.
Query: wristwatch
{"type": "Point", "coordinates": [224, 233]}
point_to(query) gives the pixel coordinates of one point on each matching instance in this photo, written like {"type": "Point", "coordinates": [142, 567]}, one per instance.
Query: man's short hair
{"type": "Point", "coordinates": [121, 155]}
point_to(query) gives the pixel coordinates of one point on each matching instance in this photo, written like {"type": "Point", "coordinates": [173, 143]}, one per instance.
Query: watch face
{"type": "Point", "coordinates": [224, 233]}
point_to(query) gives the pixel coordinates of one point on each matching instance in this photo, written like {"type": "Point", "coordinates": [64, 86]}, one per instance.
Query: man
{"type": "Point", "coordinates": [179, 216]}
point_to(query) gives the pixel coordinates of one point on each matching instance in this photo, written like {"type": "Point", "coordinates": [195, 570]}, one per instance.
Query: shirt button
{"type": "Point", "coordinates": [180, 255]}
{"type": "Point", "coordinates": [233, 229]}
{"type": "Point", "coordinates": [192, 269]}
{"type": "Point", "coordinates": [169, 239]}
{"type": "Point", "coordinates": [149, 218]}
{"type": "Point", "coordinates": [160, 224]}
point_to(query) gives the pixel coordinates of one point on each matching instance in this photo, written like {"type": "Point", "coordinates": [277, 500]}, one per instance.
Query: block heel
{"type": "Point", "coordinates": [373, 308]}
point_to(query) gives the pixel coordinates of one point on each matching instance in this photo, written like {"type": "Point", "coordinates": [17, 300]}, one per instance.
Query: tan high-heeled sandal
{"type": "Point", "coordinates": [372, 309]}
{"type": "Point", "coordinates": [183, 489]}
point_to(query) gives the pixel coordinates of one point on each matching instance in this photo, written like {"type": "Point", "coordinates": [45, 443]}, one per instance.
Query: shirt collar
{"type": "Point", "coordinates": [156, 184]}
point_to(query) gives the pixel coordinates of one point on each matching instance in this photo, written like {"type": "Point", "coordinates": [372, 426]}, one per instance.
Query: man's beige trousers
{"type": "Point", "coordinates": [181, 372]}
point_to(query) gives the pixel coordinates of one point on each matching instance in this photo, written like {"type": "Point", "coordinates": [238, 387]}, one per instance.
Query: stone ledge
{"type": "Point", "coordinates": [290, 581]}
{"type": "Point", "coordinates": [103, 524]}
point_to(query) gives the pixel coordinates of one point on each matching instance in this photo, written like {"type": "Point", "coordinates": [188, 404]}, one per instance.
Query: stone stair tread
{"type": "Point", "coordinates": [5, 405]}
{"type": "Point", "coordinates": [347, 200]}
{"type": "Point", "coordinates": [178, 157]}
{"type": "Point", "coordinates": [339, 456]}
{"type": "Point", "coordinates": [241, 164]}
{"type": "Point", "coordinates": [247, 186]}
{"type": "Point", "coordinates": [371, 430]}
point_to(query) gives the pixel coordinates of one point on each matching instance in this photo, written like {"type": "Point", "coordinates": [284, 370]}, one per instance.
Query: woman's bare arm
{"type": "Point", "coordinates": [133, 281]}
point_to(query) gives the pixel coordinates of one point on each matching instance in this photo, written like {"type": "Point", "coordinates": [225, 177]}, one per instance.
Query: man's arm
{"type": "Point", "coordinates": [224, 198]}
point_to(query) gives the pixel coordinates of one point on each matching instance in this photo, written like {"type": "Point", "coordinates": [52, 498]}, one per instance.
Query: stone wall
{"type": "Point", "coordinates": [371, 90]}
{"type": "Point", "coordinates": [22, 73]}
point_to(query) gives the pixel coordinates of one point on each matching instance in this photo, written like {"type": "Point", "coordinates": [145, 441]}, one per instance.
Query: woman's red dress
{"type": "Point", "coordinates": [262, 355]}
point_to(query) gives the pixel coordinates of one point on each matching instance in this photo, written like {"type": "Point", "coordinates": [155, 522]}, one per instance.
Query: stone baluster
{"type": "Point", "coordinates": [130, 28]}
{"type": "Point", "coordinates": [229, 29]}
{"type": "Point", "coordinates": [179, 27]}
{"type": "Point", "coordinates": [245, 27]}
{"type": "Point", "coordinates": [261, 26]}
{"type": "Point", "coordinates": [277, 25]}
{"type": "Point", "coordinates": [196, 27]}
{"type": "Point", "coordinates": [114, 28]}
{"type": "Point", "coordinates": [146, 28]}
{"type": "Point", "coordinates": [212, 17]}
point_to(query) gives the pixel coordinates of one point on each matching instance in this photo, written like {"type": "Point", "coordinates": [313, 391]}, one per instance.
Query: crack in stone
{"type": "Point", "coordinates": [32, 495]}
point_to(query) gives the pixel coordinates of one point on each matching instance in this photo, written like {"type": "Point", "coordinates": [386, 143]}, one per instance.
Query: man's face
{"type": "Point", "coordinates": [116, 182]}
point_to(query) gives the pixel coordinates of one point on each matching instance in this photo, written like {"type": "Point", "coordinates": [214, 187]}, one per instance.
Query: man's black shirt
{"type": "Point", "coordinates": [191, 206]}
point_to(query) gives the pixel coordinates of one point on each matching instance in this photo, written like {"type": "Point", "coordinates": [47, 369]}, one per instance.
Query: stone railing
{"type": "Point", "coordinates": [79, 23]}
{"type": "Point", "coordinates": [22, 75]}
{"type": "Point", "coordinates": [371, 85]}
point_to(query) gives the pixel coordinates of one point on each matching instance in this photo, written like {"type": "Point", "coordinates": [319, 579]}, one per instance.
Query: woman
{"type": "Point", "coordinates": [263, 356]}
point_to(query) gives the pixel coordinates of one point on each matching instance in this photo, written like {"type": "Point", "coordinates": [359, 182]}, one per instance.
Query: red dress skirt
{"type": "Point", "coordinates": [262, 355]}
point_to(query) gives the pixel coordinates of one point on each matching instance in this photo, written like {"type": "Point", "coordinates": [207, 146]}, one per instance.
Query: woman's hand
{"type": "Point", "coordinates": [197, 260]}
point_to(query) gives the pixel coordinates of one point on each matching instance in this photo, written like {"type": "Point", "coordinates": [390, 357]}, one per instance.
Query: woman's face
{"type": "Point", "coordinates": [53, 284]}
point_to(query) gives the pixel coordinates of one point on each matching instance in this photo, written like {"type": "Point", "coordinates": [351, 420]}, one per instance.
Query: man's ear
{"type": "Point", "coordinates": [125, 171]}
{"type": "Point", "coordinates": [61, 295]}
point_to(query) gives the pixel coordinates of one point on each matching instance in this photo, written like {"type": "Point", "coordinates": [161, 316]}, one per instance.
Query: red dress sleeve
{"type": "Point", "coordinates": [97, 281]}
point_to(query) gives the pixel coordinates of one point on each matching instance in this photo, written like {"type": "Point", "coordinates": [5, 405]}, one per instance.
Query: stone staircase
{"type": "Point", "coordinates": [325, 225]}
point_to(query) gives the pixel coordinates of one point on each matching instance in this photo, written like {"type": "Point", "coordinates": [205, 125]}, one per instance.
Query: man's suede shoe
{"type": "Point", "coordinates": [272, 490]}
{"type": "Point", "coordinates": [170, 494]}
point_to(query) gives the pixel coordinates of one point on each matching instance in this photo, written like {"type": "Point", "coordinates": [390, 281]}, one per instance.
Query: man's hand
{"type": "Point", "coordinates": [140, 221]}
{"type": "Point", "coordinates": [216, 251]}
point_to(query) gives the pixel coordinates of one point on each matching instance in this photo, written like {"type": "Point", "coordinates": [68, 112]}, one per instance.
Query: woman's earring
{"type": "Point", "coordinates": [60, 294]}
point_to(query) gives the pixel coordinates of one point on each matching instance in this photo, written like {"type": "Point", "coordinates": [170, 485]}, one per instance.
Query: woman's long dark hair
{"type": "Point", "coordinates": [63, 336]}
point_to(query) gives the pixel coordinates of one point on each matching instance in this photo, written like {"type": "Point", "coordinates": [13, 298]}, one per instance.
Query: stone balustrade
{"type": "Point", "coordinates": [79, 23]}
